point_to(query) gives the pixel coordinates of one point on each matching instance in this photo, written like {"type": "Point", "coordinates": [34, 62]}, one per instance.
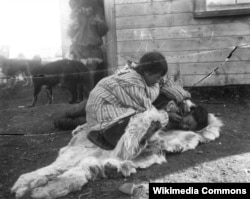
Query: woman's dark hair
{"type": "Point", "coordinates": [152, 63]}
{"type": "Point", "coordinates": [200, 114]}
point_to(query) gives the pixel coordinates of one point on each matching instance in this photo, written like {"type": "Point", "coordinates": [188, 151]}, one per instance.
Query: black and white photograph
{"type": "Point", "coordinates": [124, 99]}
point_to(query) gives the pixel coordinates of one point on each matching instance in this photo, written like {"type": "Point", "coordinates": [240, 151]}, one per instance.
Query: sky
{"type": "Point", "coordinates": [30, 27]}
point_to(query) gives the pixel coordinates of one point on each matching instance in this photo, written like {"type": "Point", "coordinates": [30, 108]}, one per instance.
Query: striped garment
{"type": "Point", "coordinates": [173, 90]}
{"type": "Point", "coordinates": [119, 95]}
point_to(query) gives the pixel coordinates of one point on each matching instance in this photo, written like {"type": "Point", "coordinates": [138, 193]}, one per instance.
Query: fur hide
{"type": "Point", "coordinates": [81, 161]}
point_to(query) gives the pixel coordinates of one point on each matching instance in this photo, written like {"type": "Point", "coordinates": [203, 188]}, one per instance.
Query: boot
{"type": "Point", "coordinates": [64, 123]}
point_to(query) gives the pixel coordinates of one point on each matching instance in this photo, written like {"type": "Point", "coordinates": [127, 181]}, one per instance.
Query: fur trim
{"type": "Point", "coordinates": [129, 146]}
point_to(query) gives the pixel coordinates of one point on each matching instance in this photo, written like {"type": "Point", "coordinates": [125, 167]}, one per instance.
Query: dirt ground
{"type": "Point", "coordinates": [29, 141]}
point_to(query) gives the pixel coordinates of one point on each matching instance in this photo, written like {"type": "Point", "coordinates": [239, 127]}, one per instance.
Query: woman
{"type": "Point", "coordinates": [128, 92]}
{"type": "Point", "coordinates": [119, 96]}
{"type": "Point", "coordinates": [123, 93]}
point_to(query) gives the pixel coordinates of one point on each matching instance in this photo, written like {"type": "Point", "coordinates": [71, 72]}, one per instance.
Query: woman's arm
{"type": "Point", "coordinates": [135, 97]}
{"type": "Point", "coordinates": [174, 91]}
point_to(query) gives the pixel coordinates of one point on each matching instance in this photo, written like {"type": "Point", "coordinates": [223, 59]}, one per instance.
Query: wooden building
{"type": "Point", "coordinates": [193, 39]}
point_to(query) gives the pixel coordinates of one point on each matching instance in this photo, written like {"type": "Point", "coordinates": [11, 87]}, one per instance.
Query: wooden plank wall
{"type": "Point", "coordinates": [110, 39]}
{"type": "Point", "coordinates": [192, 47]}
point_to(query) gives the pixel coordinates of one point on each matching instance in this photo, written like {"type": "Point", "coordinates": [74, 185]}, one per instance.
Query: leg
{"type": "Point", "coordinates": [77, 110]}
{"type": "Point", "coordinates": [80, 90]}
{"type": "Point", "coordinates": [65, 123]}
{"type": "Point", "coordinates": [100, 72]}
{"type": "Point", "coordinates": [72, 86]}
{"type": "Point", "coordinates": [37, 89]}
{"type": "Point", "coordinates": [49, 94]}
{"type": "Point", "coordinates": [87, 83]}
{"type": "Point", "coordinates": [11, 82]}
{"type": "Point", "coordinates": [27, 80]}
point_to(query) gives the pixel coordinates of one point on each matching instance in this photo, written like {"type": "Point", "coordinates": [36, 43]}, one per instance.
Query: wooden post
{"type": "Point", "coordinates": [65, 21]}
{"type": "Point", "coordinates": [110, 38]}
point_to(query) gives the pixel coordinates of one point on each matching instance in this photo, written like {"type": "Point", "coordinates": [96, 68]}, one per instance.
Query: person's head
{"type": "Point", "coordinates": [196, 120]}
{"type": "Point", "coordinates": [152, 66]}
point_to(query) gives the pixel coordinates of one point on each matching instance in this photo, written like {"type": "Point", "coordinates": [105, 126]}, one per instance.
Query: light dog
{"type": "Point", "coordinates": [13, 68]}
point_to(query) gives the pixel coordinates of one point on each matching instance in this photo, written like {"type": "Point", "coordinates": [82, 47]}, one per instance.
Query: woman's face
{"type": "Point", "coordinates": [152, 79]}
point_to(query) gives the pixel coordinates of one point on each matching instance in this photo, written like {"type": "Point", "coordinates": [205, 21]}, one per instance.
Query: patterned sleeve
{"type": "Point", "coordinates": [134, 97]}
{"type": "Point", "coordinates": [174, 91]}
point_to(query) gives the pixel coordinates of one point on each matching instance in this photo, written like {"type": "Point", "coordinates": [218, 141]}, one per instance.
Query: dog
{"type": "Point", "coordinates": [13, 68]}
{"type": "Point", "coordinates": [74, 75]}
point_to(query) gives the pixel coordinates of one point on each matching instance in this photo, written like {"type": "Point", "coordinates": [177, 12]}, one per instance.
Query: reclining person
{"type": "Point", "coordinates": [194, 119]}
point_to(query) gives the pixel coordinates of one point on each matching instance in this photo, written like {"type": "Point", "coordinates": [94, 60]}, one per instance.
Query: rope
{"type": "Point", "coordinates": [115, 68]}
{"type": "Point", "coordinates": [31, 135]}
{"type": "Point", "coordinates": [216, 68]}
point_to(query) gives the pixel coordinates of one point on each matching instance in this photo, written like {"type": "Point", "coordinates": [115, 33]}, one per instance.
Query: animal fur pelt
{"type": "Point", "coordinates": [81, 161]}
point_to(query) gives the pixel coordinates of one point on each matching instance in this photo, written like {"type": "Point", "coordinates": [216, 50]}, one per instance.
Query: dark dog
{"type": "Point", "coordinates": [72, 74]}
